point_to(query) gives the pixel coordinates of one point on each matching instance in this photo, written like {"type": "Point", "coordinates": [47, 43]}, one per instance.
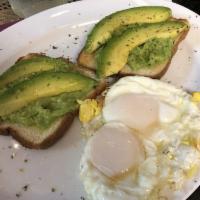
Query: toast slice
{"type": "Point", "coordinates": [88, 61]}
{"type": "Point", "coordinates": [35, 138]}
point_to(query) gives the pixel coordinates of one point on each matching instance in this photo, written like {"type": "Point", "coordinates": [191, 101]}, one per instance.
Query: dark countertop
{"type": "Point", "coordinates": [191, 4]}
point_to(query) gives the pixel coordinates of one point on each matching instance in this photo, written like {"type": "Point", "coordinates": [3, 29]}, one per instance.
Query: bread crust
{"type": "Point", "coordinates": [86, 60]}
{"type": "Point", "coordinates": [29, 56]}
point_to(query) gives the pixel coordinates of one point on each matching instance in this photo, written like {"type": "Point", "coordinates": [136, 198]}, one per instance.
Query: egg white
{"type": "Point", "coordinates": [171, 151]}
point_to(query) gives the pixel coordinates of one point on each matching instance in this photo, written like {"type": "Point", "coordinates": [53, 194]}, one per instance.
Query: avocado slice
{"type": "Point", "coordinates": [33, 65]}
{"type": "Point", "coordinates": [104, 29]}
{"type": "Point", "coordinates": [43, 112]}
{"type": "Point", "coordinates": [42, 85]}
{"type": "Point", "coordinates": [114, 55]}
{"type": "Point", "coordinates": [121, 29]}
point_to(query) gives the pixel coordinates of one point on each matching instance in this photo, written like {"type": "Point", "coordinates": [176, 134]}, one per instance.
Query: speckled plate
{"type": "Point", "coordinates": [52, 174]}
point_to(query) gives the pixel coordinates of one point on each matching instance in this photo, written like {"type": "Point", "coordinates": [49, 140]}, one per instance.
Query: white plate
{"type": "Point", "coordinates": [66, 27]}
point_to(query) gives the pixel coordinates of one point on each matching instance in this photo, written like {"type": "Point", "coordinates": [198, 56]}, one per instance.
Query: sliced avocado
{"type": "Point", "coordinates": [104, 29]}
{"type": "Point", "coordinates": [121, 29]}
{"type": "Point", "coordinates": [42, 85]}
{"type": "Point", "coordinates": [35, 64]}
{"type": "Point", "coordinates": [114, 55]}
{"type": "Point", "coordinates": [43, 112]}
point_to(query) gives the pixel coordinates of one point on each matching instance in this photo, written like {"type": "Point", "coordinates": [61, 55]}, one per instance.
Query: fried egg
{"type": "Point", "coordinates": [144, 143]}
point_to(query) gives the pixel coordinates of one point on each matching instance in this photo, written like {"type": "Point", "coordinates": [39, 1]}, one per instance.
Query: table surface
{"type": "Point", "coordinates": [8, 17]}
{"type": "Point", "coordinates": [6, 13]}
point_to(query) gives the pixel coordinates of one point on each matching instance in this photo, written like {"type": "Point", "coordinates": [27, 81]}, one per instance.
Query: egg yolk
{"type": "Point", "coordinates": [196, 97]}
{"type": "Point", "coordinates": [137, 111]}
{"type": "Point", "coordinates": [89, 109]}
{"type": "Point", "coordinates": [114, 149]}
{"type": "Point", "coordinates": [140, 112]}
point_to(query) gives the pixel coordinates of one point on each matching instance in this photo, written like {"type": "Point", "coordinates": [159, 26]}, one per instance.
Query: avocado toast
{"type": "Point", "coordinates": [39, 94]}
{"type": "Point", "coordinates": [141, 47]}
{"type": "Point", "coordinates": [39, 99]}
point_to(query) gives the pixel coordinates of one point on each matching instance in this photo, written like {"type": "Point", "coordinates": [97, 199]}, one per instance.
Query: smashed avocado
{"type": "Point", "coordinates": [152, 53]}
{"type": "Point", "coordinates": [42, 113]}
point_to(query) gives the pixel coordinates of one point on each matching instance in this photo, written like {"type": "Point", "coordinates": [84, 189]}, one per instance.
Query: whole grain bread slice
{"type": "Point", "coordinates": [35, 138]}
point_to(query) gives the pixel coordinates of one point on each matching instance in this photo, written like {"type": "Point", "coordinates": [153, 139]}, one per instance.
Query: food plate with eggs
{"type": "Point", "coordinates": [153, 165]}
{"type": "Point", "coordinates": [144, 144]}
